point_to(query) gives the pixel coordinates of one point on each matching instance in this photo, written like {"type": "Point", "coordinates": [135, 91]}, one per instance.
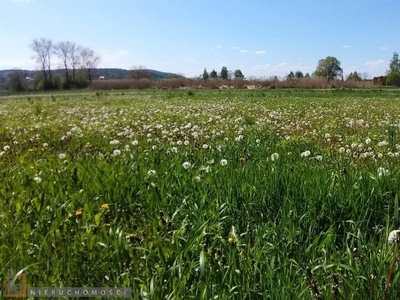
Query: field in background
{"type": "Point", "coordinates": [204, 194]}
{"type": "Point", "coordinates": [272, 83]}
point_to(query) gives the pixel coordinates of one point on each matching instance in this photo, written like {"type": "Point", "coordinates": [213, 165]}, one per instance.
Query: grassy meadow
{"type": "Point", "coordinates": [203, 194]}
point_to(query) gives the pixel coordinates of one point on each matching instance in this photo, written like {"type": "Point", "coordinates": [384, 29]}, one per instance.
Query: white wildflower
{"type": "Point", "coordinates": [223, 162]}
{"type": "Point", "coordinates": [274, 156]}
{"type": "Point", "coordinates": [186, 165]}
{"type": "Point", "coordinates": [383, 172]}
{"type": "Point", "coordinates": [305, 153]}
{"type": "Point", "coordinates": [62, 155]}
{"type": "Point", "coordinates": [116, 152]}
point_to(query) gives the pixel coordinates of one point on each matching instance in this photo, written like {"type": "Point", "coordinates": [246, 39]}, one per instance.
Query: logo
{"type": "Point", "coordinates": [14, 285]}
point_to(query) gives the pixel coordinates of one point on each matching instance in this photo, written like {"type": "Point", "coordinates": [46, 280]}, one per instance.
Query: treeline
{"type": "Point", "coordinates": [224, 74]}
{"type": "Point", "coordinates": [78, 65]}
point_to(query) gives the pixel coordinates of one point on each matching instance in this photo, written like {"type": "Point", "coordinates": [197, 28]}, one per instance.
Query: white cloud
{"type": "Point", "coordinates": [376, 64]}
{"type": "Point", "coordinates": [346, 46]}
{"type": "Point", "coordinates": [261, 52]}
{"type": "Point", "coordinates": [383, 48]}
{"type": "Point", "coordinates": [240, 50]}
{"type": "Point", "coordinates": [376, 67]}
{"type": "Point", "coordinates": [218, 47]}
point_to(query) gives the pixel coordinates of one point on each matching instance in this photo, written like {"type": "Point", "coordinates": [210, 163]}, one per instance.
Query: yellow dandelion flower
{"type": "Point", "coordinates": [105, 206]}
{"type": "Point", "coordinates": [79, 213]}
{"type": "Point", "coordinates": [31, 150]}
{"type": "Point", "coordinates": [107, 224]}
{"type": "Point", "coordinates": [134, 238]}
{"type": "Point", "coordinates": [231, 240]}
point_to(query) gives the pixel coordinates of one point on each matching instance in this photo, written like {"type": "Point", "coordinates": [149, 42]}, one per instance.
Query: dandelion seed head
{"type": "Point", "coordinates": [274, 156]}
{"type": "Point", "coordinates": [223, 162]}
{"type": "Point", "coordinates": [116, 152]}
{"type": "Point", "coordinates": [61, 156]}
{"type": "Point", "coordinates": [186, 165]}
{"type": "Point", "coordinates": [394, 237]}
{"type": "Point", "coordinates": [383, 172]}
{"type": "Point", "coordinates": [37, 179]}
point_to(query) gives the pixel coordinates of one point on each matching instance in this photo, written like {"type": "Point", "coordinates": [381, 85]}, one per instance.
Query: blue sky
{"type": "Point", "coordinates": [262, 38]}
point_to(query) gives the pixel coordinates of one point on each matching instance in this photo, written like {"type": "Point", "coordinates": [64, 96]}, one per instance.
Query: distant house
{"type": "Point", "coordinates": [28, 79]}
{"type": "Point", "coordinates": [101, 77]}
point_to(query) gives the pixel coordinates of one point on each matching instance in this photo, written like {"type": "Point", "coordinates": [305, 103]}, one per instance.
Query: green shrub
{"type": "Point", "coordinates": [393, 79]}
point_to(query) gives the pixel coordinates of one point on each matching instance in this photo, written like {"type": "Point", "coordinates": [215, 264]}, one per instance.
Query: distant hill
{"type": "Point", "coordinates": [105, 73]}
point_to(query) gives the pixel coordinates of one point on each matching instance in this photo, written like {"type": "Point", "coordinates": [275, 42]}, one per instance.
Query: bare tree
{"type": "Point", "coordinates": [74, 58]}
{"type": "Point", "coordinates": [89, 61]}
{"type": "Point", "coordinates": [44, 50]}
{"type": "Point", "coordinates": [139, 72]}
{"type": "Point", "coordinates": [63, 51]}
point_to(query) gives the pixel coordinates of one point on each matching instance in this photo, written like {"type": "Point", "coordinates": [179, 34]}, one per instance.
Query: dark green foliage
{"type": "Point", "coordinates": [213, 74]}
{"type": "Point", "coordinates": [17, 83]}
{"type": "Point", "coordinates": [205, 75]}
{"type": "Point", "coordinates": [224, 73]}
{"type": "Point", "coordinates": [238, 74]}
{"type": "Point", "coordinates": [354, 76]}
{"type": "Point", "coordinates": [394, 66]}
{"type": "Point", "coordinates": [393, 79]}
{"type": "Point", "coordinates": [329, 68]}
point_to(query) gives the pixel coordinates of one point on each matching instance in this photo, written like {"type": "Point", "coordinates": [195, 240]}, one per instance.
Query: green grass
{"type": "Point", "coordinates": [263, 226]}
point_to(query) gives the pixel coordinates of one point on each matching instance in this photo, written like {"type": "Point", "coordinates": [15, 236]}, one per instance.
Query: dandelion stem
{"type": "Point", "coordinates": [391, 271]}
